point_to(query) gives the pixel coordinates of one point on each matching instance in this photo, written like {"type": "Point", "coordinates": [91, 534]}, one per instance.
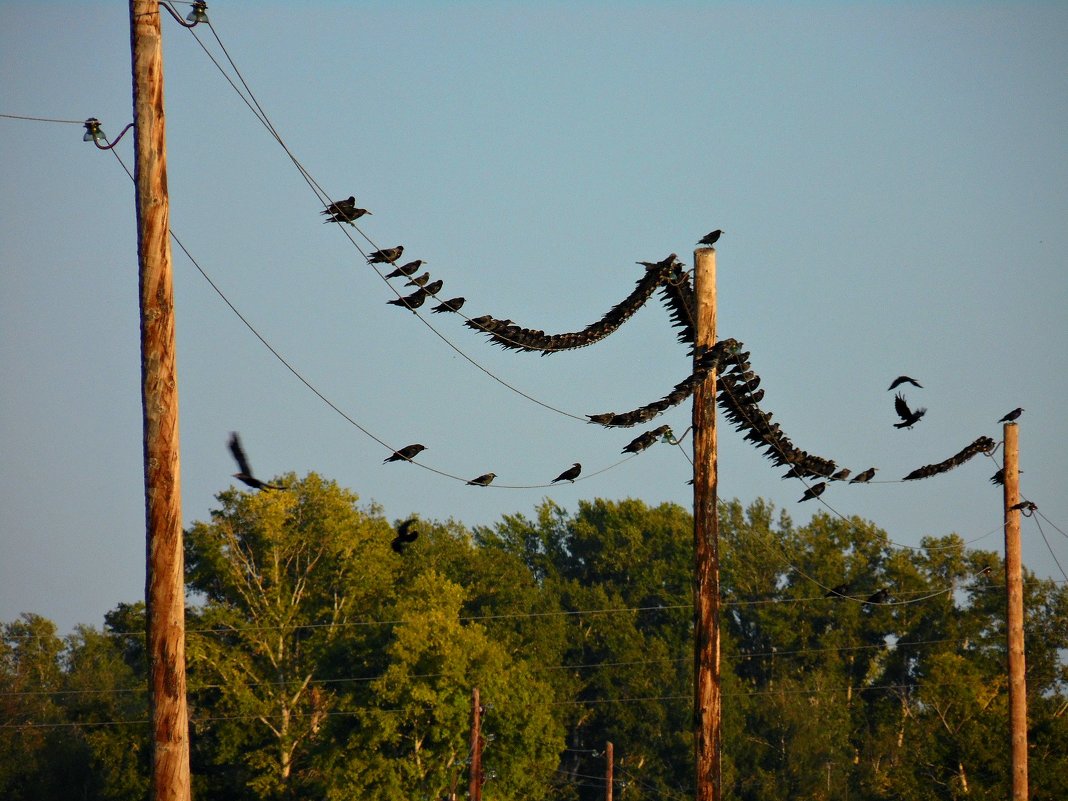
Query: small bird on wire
{"type": "Point", "coordinates": [340, 206]}
{"type": "Point", "coordinates": [570, 474]}
{"type": "Point", "coordinates": [998, 477]}
{"type": "Point", "coordinates": [904, 379]}
{"type": "Point", "coordinates": [406, 534]}
{"type": "Point", "coordinates": [349, 217]}
{"type": "Point", "coordinates": [880, 596]}
{"type": "Point", "coordinates": [841, 475]}
{"type": "Point", "coordinates": [386, 255]}
{"type": "Point", "coordinates": [710, 238]}
{"type": "Point", "coordinates": [412, 301]}
{"type": "Point", "coordinates": [483, 480]}
{"type": "Point", "coordinates": [837, 591]}
{"type": "Point", "coordinates": [815, 491]}
{"type": "Point", "coordinates": [450, 305]}
{"type": "Point", "coordinates": [864, 477]}
{"type": "Point", "coordinates": [244, 473]}
{"type": "Point", "coordinates": [434, 287]}
{"type": "Point", "coordinates": [406, 269]}
{"type": "Point", "coordinates": [419, 280]}
{"type": "Point", "coordinates": [407, 453]}
{"type": "Point", "coordinates": [909, 418]}
{"type": "Point", "coordinates": [1011, 416]}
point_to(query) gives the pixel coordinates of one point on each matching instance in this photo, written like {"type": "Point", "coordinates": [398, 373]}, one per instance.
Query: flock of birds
{"type": "Point", "coordinates": [739, 401]}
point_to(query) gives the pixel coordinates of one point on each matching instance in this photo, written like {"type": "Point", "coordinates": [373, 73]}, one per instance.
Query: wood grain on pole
{"type": "Point", "coordinates": [475, 785]}
{"type": "Point", "coordinates": [707, 701]}
{"type": "Point", "coordinates": [1014, 615]}
{"type": "Point", "coordinates": [164, 582]}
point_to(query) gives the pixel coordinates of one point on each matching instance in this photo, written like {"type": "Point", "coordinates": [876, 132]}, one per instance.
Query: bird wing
{"type": "Point", "coordinates": [239, 454]}
{"type": "Point", "coordinates": [902, 407]}
{"type": "Point", "coordinates": [405, 533]}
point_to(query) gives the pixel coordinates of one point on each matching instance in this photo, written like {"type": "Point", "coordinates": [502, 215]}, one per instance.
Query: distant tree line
{"type": "Point", "coordinates": [322, 664]}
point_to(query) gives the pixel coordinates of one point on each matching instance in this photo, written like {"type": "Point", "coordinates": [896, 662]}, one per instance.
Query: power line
{"type": "Point", "coordinates": [42, 119]}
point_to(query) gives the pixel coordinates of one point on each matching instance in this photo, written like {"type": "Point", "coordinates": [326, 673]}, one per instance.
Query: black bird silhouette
{"type": "Point", "coordinates": [880, 596]}
{"type": "Point", "coordinates": [419, 280]}
{"type": "Point", "coordinates": [450, 305]}
{"type": "Point", "coordinates": [865, 477]}
{"type": "Point", "coordinates": [386, 255]}
{"type": "Point", "coordinates": [412, 301]}
{"type": "Point", "coordinates": [908, 417]}
{"type": "Point", "coordinates": [244, 473]}
{"type": "Point", "coordinates": [710, 238]}
{"type": "Point", "coordinates": [998, 477]}
{"type": "Point", "coordinates": [407, 453]}
{"type": "Point", "coordinates": [570, 474]}
{"type": "Point", "coordinates": [841, 475]}
{"type": "Point", "coordinates": [434, 287]}
{"type": "Point", "coordinates": [340, 206]}
{"type": "Point", "coordinates": [406, 535]}
{"type": "Point", "coordinates": [815, 491]}
{"type": "Point", "coordinates": [837, 591]}
{"type": "Point", "coordinates": [904, 379]}
{"type": "Point", "coordinates": [1014, 414]}
{"type": "Point", "coordinates": [483, 480]}
{"type": "Point", "coordinates": [406, 269]}
{"type": "Point", "coordinates": [346, 215]}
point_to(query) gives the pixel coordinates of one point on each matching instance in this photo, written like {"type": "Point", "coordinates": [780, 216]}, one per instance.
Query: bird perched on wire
{"type": "Point", "coordinates": [570, 474]}
{"type": "Point", "coordinates": [412, 301]}
{"type": "Point", "coordinates": [407, 453]}
{"type": "Point", "coordinates": [450, 305]}
{"type": "Point", "coordinates": [841, 475]}
{"type": "Point", "coordinates": [815, 491]}
{"type": "Point", "coordinates": [880, 596]}
{"type": "Point", "coordinates": [1011, 416]}
{"type": "Point", "coordinates": [710, 238]}
{"type": "Point", "coordinates": [483, 480]}
{"type": "Point", "coordinates": [904, 379]}
{"type": "Point", "coordinates": [406, 534]}
{"type": "Point", "coordinates": [909, 418]}
{"type": "Point", "coordinates": [837, 591]}
{"type": "Point", "coordinates": [340, 206]}
{"type": "Point", "coordinates": [419, 280]}
{"type": "Point", "coordinates": [386, 255]}
{"type": "Point", "coordinates": [434, 287]}
{"type": "Point", "coordinates": [864, 477]}
{"type": "Point", "coordinates": [349, 217]}
{"type": "Point", "coordinates": [406, 269]}
{"type": "Point", "coordinates": [244, 473]}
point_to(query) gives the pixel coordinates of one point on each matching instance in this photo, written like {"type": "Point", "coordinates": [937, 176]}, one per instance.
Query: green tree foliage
{"type": "Point", "coordinates": [322, 664]}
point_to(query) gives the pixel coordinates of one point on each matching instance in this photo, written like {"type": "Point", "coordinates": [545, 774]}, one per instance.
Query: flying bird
{"type": "Point", "coordinates": [244, 473]}
{"type": "Point", "coordinates": [419, 280]}
{"type": "Point", "coordinates": [837, 591]}
{"type": "Point", "coordinates": [570, 474]}
{"type": "Point", "coordinates": [451, 305]}
{"type": "Point", "coordinates": [998, 477]}
{"type": "Point", "coordinates": [815, 491]}
{"type": "Point", "coordinates": [904, 379]}
{"type": "Point", "coordinates": [406, 535]}
{"type": "Point", "coordinates": [483, 480]}
{"type": "Point", "coordinates": [412, 301]}
{"type": "Point", "coordinates": [407, 453]}
{"type": "Point", "coordinates": [340, 206]}
{"type": "Point", "coordinates": [865, 477]}
{"type": "Point", "coordinates": [1013, 415]}
{"type": "Point", "coordinates": [406, 269]}
{"type": "Point", "coordinates": [880, 596]}
{"type": "Point", "coordinates": [908, 417]}
{"type": "Point", "coordinates": [710, 238]}
{"type": "Point", "coordinates": [386, 255]}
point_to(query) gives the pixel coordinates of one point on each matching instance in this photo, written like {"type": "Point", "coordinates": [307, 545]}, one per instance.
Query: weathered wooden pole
{"type": "Point", "coordinates": [609, 760]}
{"type": "Point", "coordinates": [707, 702]}
{"type": "Point", "coordinates": [164, 582]}
{"type": "Point", "coordinates": [475, 785]}
{"type": "Point", "coordinates": [1015, 614]}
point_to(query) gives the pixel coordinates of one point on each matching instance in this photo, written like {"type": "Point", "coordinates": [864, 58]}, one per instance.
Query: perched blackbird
{"type": "Point", "coordinates": [710, 238]}
{"type": "Point", "coordinates": [484, 480]}
{"type": "Point", "coordinates": [570, 474]}
{"type": "Point", "coordinates": [406, 269]}
{"type": "Point", "coordinates": [908, 417]}
{"type": "Point", "coordinates": [434, 287]}
{"type": "Point", "coordinates": [1014, 414]}
{"type": "Point", "coordinates": [386, 255]}
{"type": "Point", "coordinates": [815, 491]}
{"type": "Point", "coordinates": [841, 475]}
{"type": "Point", "coordinates": [866, 476]}
{"type": "Point", "coordinates": [407, 453]}
{"type": "Point", "coordinates": [838, 591]}
{"type": "Point", "coordinates": [419, 280]}
{"type": "Point", "coordinates": [450, 305]}
{"type": "Point", "coordinates": [244, 473]}
{"type": "Point", "coordinates": [412, 301]}
{"type": "Point", "coordinates": [340, 206]}
{"type": "Point", "coordinates": [881, 596]}
{"type": "Point", "coordinates": [904, 379]}
{"type": "Point", "coordinates": [406, 535]}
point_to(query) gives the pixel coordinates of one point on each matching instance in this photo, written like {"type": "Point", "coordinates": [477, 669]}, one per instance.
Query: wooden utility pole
{"type": "Point", "coordinates": [475, 786]}
{"type": "Point", "coordinates": [609, 759]}
{"type": "Point", "coordinates": [707, 701]}
{"type": "Point", "coordinates": [1014, 615]}
{"type": "Point", "coordinates": [164, 582]}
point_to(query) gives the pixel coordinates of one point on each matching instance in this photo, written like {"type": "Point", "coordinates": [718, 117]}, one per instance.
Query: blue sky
{"type": "Point", "coordinates": [893, 180]}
